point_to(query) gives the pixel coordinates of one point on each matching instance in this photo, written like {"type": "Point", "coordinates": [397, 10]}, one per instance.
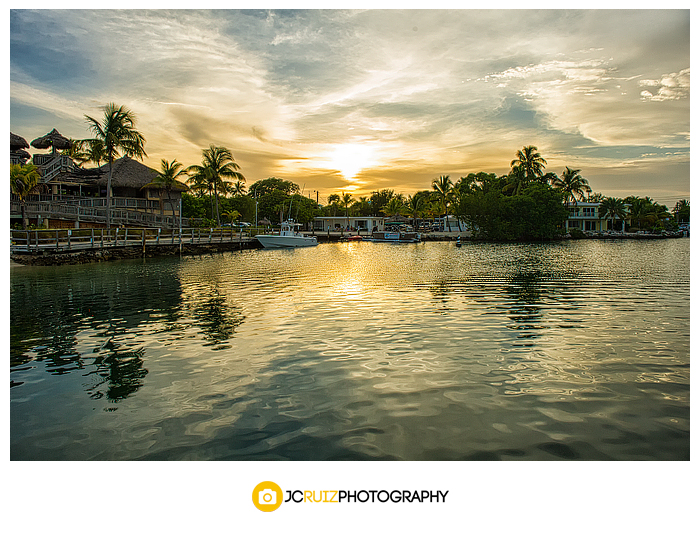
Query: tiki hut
{"type": "Point", "coordinates": [17, 143]}
{"type": "Point", "coordinates": [53, 139]}
{"type": "Point", "coordinates": [128, 177]}
{"type": "Point", "coordinates": [17, 153]}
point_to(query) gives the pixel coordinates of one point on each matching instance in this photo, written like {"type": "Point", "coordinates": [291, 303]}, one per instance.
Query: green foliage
{"type": "Point", "coordinates": [577, 234]}
{"type": "Point", "coordinates": [379, 199]}
{"type": "Point", "coordinates": [682, 211]}
{"type": "Point", "coordinates": [267, 186]}
{"type": "Point", "coordinates": [537, 213]}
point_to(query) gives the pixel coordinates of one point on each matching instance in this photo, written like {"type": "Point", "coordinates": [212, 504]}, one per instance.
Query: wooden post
{"type": "Point", "coordinates": [126, 233]}
{"type": "Point", "coordinates": [143, 242]}
{"type": "Point", "coordinates": [102, 238]}
{"type": "Point", "coordinates": [92, 238]}
{"type": "Point", "coordinates": [56, 239]}
{"type": "Point", "coordinates": [68, 238]}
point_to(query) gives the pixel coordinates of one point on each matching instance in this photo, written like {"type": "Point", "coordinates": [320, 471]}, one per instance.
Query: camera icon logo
{"type": "Point", "coordinates": [267, 496]}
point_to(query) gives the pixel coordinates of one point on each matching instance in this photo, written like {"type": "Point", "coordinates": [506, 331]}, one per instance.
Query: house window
{"type": "Point", "coordinates": [589, 211]}
{"type": "Point", "coordinates": [574, 224]}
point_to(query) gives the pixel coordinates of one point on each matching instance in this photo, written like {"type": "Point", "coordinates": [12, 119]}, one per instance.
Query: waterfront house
{"type": "Point", "coordinates": [585, 217]}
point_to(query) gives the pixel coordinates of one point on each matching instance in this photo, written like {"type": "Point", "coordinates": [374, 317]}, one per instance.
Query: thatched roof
{"type": "Point", "coordinates": [53, 139]}
{"type": "Point", "coordinates": [129, 173]}
{"type": "Point", "coordinates": [17, 142]}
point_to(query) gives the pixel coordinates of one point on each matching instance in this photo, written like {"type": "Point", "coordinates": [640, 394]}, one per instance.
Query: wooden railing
{"type": "Point", "coordinates": [56, 240]}
{"type": "Point", "coordinates": [94, 210]}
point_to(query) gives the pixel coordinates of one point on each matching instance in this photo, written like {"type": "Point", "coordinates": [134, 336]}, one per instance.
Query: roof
{"type": "Point", "coordinates": [127, 173]}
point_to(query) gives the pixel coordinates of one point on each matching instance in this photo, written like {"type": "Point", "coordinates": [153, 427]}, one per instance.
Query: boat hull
{"type": "Point", "coordinates": [276, 241]}
{"type": "Point", "coordinates": [395, 237]}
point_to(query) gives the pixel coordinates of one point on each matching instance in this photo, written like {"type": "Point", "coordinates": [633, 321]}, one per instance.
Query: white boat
{"type": "Point", "coordinates": [395, 236]}
{"type": "Point", "coordinates": [288, 237]}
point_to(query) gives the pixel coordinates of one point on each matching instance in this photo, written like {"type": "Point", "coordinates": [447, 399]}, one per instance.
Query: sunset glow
{"type": "Point", "coordinates": [360, 100]}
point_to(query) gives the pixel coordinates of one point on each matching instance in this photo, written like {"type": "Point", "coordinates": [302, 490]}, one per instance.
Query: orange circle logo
{"type": "Point", "coordinates": [267, 496]}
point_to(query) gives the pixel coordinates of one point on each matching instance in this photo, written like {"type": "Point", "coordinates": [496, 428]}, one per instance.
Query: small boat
{"type": "Point", "coordinates": [288, 237]}
{"type": "Point", "coordinates": [395, 236]}
{"type": "Point", "coordinates": [354, 238]}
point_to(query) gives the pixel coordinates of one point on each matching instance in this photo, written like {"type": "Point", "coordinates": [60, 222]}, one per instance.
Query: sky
{"type": "Point", "coordinates": [361, 100]}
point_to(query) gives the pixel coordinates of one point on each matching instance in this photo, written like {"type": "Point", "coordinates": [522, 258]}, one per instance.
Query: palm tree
{"type": "Point", "coordinates": [517, 178]}
{"type": "Point", "coordinates": [613, 208]}
{"type": "Point", "coordinates": [232, 215]}
{"type": "Point", "coordinates": [117, 133]}
{"type": "Point", "coordinates": [682, 211]}
{"type": "Point", "coordinates": [23, 181]}
{"type": "Point", "coordinates": [531, 161]}
{"type": "Point", "coordinates": [395, 207]}
{"type": "Point", "coordinates": [77, 152]}
{"type": "Point", "coordinates": [167, 179]}
{"type": "Point", "coordinates": [345, 200]}
{"type": "Point", "coordinates": [95, 150]}
{"type": "Point", "coordinates": [238, 188]}
{"type": "Point", "coordinates": [443, 190]}
{"type": "Point", "coordinates": [573, 185]}
{"type": "Point", "coordinates": [415, 206]}
{"type": "Point", "coordinates": [218, 164]}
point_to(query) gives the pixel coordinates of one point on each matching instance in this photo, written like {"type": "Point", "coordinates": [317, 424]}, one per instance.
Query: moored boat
{"type": "Point", "coordinates": [288, 237]}
{"type": "Point", "coordinates": [395, 236]}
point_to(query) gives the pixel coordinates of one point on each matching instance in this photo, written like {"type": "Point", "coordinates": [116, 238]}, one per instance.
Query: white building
{"type": "Point", "coordinates": [342, 223]}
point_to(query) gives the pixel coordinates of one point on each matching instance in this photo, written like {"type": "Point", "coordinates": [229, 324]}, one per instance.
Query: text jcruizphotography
{"type": "Point", "coordinates": [363, 496]}
{"type": "Point", "coordinates": [268, 496]}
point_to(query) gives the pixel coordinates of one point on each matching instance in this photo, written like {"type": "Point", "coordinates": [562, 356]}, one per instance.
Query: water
{"type": "Point", "coordinates": [357, 351]}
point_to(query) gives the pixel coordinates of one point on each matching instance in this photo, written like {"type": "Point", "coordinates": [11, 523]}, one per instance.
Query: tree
{"type": "Point", "coordinates": [218, 165]}
{"type": "Point", "coordinates": [395, 207]}
{"type": "Point", "coordinates": [345, 200]}
{"type": "Point", "coordinates": [415, 205]}
{"type": "Point", "coordinates": [573, 185]}
{"type": "Point", "coordinates": [167, 179]}
{"type": "Point", "coordinates": [531, 162]}
{"type": "Point", "coordinates": [24, 180]}
{"type": "Point", "coordinates": [380, 199]}
{"type": "Point", "coordinates": [537, 213]}
{"type": "Point", "coordinates": [613, 208]}
{"type": "Point", "coordinates": [682, 211]}
{"type": "Point", "coordinates": [117, 134]}
{"type": "Point", "coordinates": [238, 188]}
{"type": "Point", "coordinates": [516, 181]}
{"type": "Point", "coordinates": [77, 152]}
{"type": "Point", "coordinates": [443, 190]}
{"type": "Point", "coordinates": [231, 215]}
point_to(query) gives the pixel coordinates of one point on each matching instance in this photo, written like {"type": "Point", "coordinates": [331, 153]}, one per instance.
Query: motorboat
{"type": "Point", "coordinates": [395, 236]}
{"type": "Point", "coordinates": [288, 237]}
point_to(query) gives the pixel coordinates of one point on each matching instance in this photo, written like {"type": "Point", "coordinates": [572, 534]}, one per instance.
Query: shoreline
{"type": "Point", "coordinates": [89, 256]}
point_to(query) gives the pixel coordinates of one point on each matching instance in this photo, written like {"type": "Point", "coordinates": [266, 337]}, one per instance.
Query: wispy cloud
{"type": "Point", "coordinates": [430, 92]}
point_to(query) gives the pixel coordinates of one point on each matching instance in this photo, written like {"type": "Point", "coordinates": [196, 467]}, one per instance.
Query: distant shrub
{"type": "Point", "coordinates": [577, 234]}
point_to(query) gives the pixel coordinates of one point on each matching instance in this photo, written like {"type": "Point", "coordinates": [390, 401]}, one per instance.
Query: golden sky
{"type": "Point", "coordinates": [362, 100]}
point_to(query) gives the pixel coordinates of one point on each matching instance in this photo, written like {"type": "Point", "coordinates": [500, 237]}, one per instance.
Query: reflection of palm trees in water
{"type": "Point", "coordinates": [120, 373]}
{"type": "Point", "coordinates": [525, 290]}
{"type": "Point", "coordinates": [217, 318]}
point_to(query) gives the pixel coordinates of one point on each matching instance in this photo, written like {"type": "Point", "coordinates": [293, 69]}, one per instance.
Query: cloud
{"type": "Point", "coordinates": [431, 91]}
{"type": "Point", "coordinates": [672, 86]}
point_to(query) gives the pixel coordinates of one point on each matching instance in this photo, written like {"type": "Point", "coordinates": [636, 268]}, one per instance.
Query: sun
{"type": "Point", "coordinates": [351, 158]}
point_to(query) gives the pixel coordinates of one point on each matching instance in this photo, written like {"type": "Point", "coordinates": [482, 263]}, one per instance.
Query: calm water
{"type": "Point", "coordinates": [578, 350]}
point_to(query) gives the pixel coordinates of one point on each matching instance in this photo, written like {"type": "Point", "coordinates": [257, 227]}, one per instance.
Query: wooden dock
{"type": "Point", "coordinates": [72, 246]}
